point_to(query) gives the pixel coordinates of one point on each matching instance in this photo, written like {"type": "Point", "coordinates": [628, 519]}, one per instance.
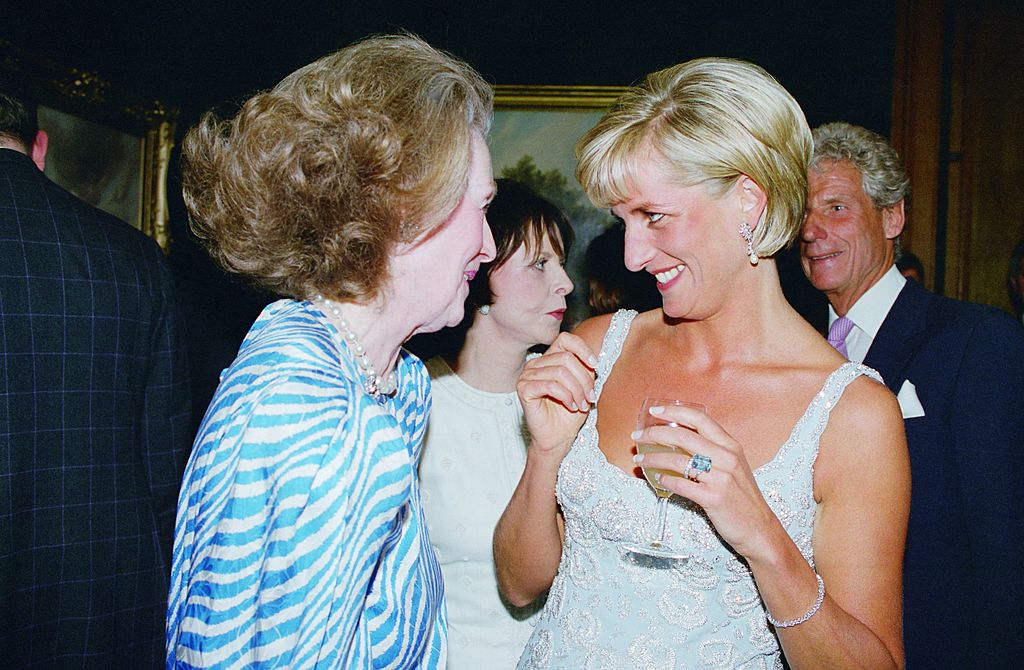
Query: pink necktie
{"type": "Point", "coordinates": [837, 333]}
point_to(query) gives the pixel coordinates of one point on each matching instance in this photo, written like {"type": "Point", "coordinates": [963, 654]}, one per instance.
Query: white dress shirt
{"type": "Point", "coordinates": [869, 312]}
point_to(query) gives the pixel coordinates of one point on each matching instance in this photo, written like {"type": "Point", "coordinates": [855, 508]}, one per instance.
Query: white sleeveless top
{"type": "Point", "coordinates": [611, 609]}
{"type": "Point", "coordinates": [473, 457]}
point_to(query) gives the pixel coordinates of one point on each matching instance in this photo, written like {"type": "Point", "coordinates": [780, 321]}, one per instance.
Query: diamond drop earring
{"type": "Point", "coordinates": [748, 235]}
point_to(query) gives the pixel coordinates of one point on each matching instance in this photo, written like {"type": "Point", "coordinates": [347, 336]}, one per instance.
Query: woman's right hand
{"type": "Point", "coordinates": [557, 391]}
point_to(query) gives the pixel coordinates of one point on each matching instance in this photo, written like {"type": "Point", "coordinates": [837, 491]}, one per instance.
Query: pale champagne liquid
{"type": "Point", "coordinates": [650, 472]}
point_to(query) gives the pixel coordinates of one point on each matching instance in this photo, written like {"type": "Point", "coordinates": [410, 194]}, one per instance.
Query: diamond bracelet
{"type": "Point", "coordinates": [811, 612]}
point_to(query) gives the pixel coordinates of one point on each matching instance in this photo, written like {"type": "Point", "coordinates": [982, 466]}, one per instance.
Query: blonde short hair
{"type": "Point", "coordinates": [711, 121]}
{"type": "Point", "coordinates": [311, 186]}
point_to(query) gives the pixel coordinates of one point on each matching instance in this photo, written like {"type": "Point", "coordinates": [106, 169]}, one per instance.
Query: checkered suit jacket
{"type": "Point", "coordinates": [94, 420]}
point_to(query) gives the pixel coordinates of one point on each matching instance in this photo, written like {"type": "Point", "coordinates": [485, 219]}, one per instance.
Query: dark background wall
{"type": "Point", "coordinates": [836, 59]}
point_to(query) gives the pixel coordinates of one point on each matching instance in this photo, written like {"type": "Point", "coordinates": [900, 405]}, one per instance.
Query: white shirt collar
{"type": "Point", "coordinates": [871, 308]}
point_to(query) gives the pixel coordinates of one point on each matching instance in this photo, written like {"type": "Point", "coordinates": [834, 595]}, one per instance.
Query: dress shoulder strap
{"type": "Point", "coordinates": [611, 346]}
{"type": "Point", "coordinates": [827, 398]}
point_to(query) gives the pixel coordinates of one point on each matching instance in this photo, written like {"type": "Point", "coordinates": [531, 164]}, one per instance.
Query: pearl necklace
{"type": "Point", "coordinates": [374, 384]}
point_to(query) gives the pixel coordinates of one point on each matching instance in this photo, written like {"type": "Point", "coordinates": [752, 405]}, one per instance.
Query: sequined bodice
{"type": "Point", "coordinates": [610, 609]}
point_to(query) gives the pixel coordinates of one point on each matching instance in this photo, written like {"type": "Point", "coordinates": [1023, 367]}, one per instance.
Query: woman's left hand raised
{"type": "Point", "coordinates": [556, 391]}
{"type": "Point", "coordinates": [727, 492]}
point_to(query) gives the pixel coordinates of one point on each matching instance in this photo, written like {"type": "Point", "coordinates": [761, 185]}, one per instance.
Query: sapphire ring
{"type": "Point", "coordinates": [698, 463]}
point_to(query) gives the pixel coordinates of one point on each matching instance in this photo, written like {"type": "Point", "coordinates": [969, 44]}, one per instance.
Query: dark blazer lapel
{"type": "Point", "coordinates": [901, 335]}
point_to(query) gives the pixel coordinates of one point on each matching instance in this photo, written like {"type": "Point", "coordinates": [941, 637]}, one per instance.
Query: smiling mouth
{"type": "Point", "coordinates": [824, 257]}
{"type": "Point", "coordinates": [558, 313]}
{"type": "Point", "coordinates": [665, 276]}
{"type": "Point", "coordinates": [469, 274]}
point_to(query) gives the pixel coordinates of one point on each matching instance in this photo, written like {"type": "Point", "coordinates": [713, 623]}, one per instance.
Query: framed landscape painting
{"type": "Point", "coordinates": [532, 140]}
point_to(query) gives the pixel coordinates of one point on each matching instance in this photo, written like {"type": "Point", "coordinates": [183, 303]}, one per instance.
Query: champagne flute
{"type": "Point", "coordinates": [656, 547]}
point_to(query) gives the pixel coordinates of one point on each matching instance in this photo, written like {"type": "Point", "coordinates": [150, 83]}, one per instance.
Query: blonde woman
{"type": "Point", "coordinates": [794, 508]}
{"type": "Point", "coordinates": [356, 188]}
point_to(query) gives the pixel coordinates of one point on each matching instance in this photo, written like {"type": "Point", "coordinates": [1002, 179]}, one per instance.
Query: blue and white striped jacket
{"type": "Point", "coordinates": [300, 540]}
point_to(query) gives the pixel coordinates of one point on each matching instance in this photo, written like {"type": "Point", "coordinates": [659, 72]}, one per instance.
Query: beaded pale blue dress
{"type": "Point", "coordinates": [610, 609]}
{"type": "Point", "coordinates": [300, 540]}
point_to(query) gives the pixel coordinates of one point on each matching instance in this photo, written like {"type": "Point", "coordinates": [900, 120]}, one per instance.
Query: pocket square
{"type": "Point", "coordinates": [910, 406]}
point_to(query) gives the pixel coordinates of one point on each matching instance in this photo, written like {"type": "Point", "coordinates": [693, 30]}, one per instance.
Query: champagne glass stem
{"type": "Point", "coordinates": [662, 514]}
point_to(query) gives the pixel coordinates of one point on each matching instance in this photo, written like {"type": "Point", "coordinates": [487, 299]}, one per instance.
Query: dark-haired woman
{"type": "Point", "coordinates": [475, 449]}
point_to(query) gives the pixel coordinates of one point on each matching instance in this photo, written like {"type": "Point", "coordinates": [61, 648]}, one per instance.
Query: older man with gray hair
{"type": "Point", "coordinates": [958, 371]}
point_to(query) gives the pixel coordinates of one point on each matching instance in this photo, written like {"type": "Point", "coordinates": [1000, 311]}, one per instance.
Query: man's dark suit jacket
{"type": "Point", "coordinates": [94, 416]}
{"type": "Point", "coordinates": [964, 565]}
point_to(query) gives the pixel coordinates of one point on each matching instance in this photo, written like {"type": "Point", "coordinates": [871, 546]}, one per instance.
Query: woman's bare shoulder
{"type": "Point", "coordinates": [593, 329]}
{"type": "Point", "coordinates": [866, 397]}
{"type": "Point", "coordinates": [866, 426]}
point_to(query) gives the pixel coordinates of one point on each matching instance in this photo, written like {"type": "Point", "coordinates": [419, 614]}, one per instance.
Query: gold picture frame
{"type": "Point", "coordinates": [556, 97]}
{"type": "Point", "coordinates": [109, 147]}
{"type": "Point", "coordinates": [532, 140]}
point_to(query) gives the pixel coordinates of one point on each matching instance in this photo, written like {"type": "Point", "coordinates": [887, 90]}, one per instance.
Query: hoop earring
{"type": "Point", "coordinates": [748, 235]}
{"type": "Point", "coordinates": [484, 309]}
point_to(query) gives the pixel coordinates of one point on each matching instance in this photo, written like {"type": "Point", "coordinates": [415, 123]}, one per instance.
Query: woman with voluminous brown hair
{"type": "Point", "coordinates": [357, 190]}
